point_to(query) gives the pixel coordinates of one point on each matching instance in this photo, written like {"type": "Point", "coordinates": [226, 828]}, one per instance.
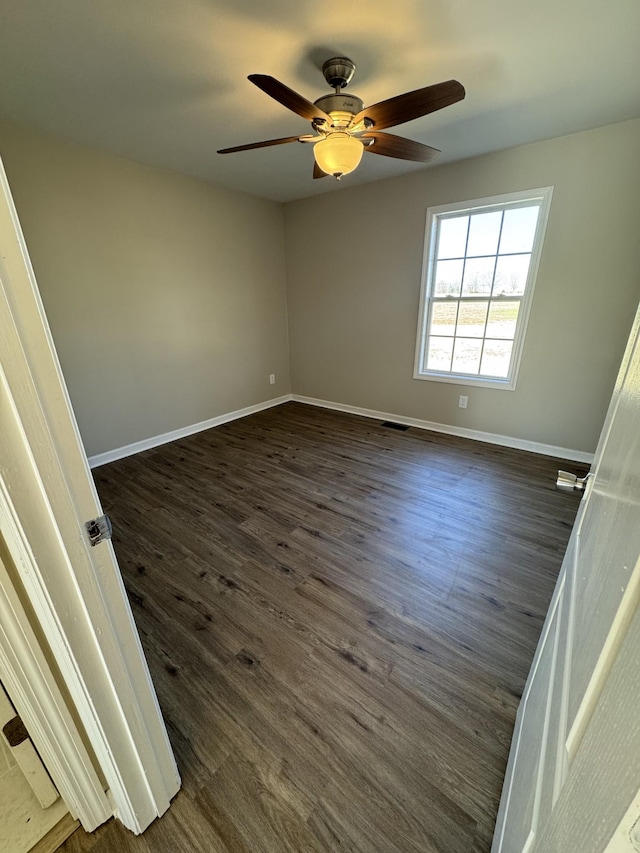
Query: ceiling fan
{"type": "Point", "coordinates": [343, 127]}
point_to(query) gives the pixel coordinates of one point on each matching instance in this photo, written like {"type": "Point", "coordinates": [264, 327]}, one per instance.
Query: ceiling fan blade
{"type": "Point", "coordinates": [287, 97]}
{"type": "Point", "coordinates": [264, 144]}
{"type": "Point", "coordinates": [398, 146]}
{"type": "Point", "coordinates": [413, 104]}
{"type": "Point", "coordinates": [317, 171]}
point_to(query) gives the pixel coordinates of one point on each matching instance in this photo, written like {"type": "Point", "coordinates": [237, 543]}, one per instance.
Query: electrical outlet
{"type": "Point", "coordinates": [272, 379]}
{"type": "Point", "coordinates": [463, 401]}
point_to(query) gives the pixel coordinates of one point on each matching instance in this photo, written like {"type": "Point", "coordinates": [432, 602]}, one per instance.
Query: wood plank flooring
{"type": "Point", "coordinates": [339, 619]}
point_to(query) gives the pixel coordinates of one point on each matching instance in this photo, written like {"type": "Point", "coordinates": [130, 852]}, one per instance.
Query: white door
{"type": "Point", "coordinates": [74, 591]}
{"type": "Point", "coordinates": [574, 766]}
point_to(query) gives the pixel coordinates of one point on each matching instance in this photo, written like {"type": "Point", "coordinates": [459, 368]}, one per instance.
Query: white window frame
{"type": "Point", "coordinates": [541, 195]}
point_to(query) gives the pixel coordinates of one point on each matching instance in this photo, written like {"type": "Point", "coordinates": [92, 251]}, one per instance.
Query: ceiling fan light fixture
{"type": "Point", "coordinates": [338, 154]}
{"type": "Point", "coordinates": [343, 127]}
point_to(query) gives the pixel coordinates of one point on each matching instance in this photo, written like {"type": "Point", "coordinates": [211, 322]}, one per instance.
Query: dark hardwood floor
{"type": "Point", "coordinates": [339, 619]}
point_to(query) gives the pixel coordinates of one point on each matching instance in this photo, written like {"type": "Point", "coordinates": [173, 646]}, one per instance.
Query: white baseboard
{"type": "Point", "coordinates": [474, 434]}
{"type": "Point", "coordinates": [165, 438]}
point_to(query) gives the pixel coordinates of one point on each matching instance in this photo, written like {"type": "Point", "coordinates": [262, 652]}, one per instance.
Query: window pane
{"type": "Point", "coordinates": [518, 229]}
{"type": "Point", "coordinates": [478, 276]}
{"type": "Point", "coordinates": [471, 319]}
{"type": "Point", "coordinates": [453, 237]}
{"type": "Point", "coordinates": [496, 358]}
{"type": "Point", "coordinates": [466, 356]}
{"type": "Point", "coordinates": [448, 277]}
{"type": "Point", "coordinates": [439, 355]}
{"type": "Point", "coordinates": [511, 275]}
{"type": "Point", "coordinates": [502, 319]}
{"type": "Point", "coordinates": [483, 233]}
{"type": "Point", "coordinates": [443, 318]}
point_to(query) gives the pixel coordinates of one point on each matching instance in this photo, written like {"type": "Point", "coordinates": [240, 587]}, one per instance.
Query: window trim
{"type": "Point", "coordinates": [541, 194]}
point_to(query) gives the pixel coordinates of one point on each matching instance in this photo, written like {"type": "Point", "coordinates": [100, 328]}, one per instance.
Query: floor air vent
{"type": "Point", "coordinates": [392, 425]}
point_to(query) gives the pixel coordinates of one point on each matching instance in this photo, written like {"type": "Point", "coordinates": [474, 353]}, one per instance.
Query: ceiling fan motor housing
{"type": "Point", "coordinates": [346, 105]}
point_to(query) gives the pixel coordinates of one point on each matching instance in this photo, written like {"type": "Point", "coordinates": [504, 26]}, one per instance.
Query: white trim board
{"type": "Point", "coordinates": [474, 434]}
{"type": "Point", "coordinates": [183, 432]}
{"type": "Point", "coordinates": [35, 692]}
{"type": "Point", "coordinates": [76, 593]}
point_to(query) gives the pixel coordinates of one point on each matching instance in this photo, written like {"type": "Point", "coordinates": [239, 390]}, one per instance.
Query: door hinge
{"type": "Point", "coordinates": [15, 731]}
{"type": "Point", "coordinates": [98, 529]}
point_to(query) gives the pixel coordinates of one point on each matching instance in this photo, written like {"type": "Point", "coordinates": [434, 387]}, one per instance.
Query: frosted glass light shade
{"type": "Point", "coordinates": [338, 154]}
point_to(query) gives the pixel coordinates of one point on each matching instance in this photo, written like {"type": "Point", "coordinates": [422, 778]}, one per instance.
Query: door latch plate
{"type": "Point", "coordinates": [568, 482]}
{"type": "Point", "coordinates": [99, 529]}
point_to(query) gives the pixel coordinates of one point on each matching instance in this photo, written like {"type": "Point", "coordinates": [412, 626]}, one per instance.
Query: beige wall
{"type": "Point", "coordinates": [353, 279]}
{"type": "Point", "coordinates": [165, 294]}
{"type": "Point", "coordinates": [167, 302]}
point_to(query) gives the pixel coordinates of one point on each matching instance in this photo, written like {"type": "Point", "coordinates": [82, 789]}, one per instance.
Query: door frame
{"type": "Point", "coordinates": [27, 676]}
{"type": "Point", "coordinates": [75, 591]}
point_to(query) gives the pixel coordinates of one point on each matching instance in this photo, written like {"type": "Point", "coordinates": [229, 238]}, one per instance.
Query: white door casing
{"type": "Point", "coordinates": [24, 754]}
{"type": "Point", "coordinates": [76, 591]}
{"type": "Point", "coordinates": [31, 805]}
{"type": "Point", "coordinates": [574, 766]}
{"type": "Point", "coordinates": [35, 692]}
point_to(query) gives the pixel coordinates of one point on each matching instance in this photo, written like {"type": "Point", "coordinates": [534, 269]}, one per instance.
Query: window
{"type": "Point", "coordinates": [480, 264]}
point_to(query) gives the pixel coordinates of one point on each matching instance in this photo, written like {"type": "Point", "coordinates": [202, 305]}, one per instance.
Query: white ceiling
{"type": "Point", "coordinates": [164, 81]}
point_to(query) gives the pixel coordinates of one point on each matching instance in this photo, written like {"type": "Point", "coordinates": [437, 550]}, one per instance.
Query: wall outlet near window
{"type": "Point", "coordinates": [272, 379]}
{"type": "Point", "coordinates": [462, 401]}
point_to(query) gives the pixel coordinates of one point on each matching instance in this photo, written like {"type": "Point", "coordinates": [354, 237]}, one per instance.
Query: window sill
{"type": "Point", "coordinates": [461, 379]}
